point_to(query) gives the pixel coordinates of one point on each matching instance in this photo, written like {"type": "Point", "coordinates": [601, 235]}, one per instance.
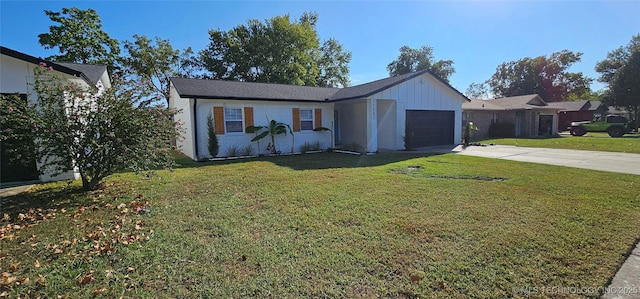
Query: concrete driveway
{"type": "Point", "coordinates": [605, 161]}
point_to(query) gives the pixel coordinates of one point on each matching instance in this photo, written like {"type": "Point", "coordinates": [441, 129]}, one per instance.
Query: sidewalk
{"type": "Point", "coordinates": [11, 191]}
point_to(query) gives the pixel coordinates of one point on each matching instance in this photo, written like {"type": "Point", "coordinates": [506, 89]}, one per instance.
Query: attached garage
{"type": "Point", "coordinates": [429, 128]}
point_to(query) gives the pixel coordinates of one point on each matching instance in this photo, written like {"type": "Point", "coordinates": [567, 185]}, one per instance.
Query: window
{"type": "Point", "coordinates": [466, 116]}
{"type": "Point", "coordinates": [494, 118]}
{"type": "Point", "coordinates": [306, 119]}
{"type": "Point", "coordinates": [233, 119]}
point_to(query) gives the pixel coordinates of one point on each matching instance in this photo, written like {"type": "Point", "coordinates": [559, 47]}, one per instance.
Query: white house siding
{"type": "Point", "coordinates": [420, 93]}
{"type": "Point", "coordinates": [184, 118]}
{"type": "Point", "coordinates": [387, 124]}
{"type": "Point", "coordinates": [263, 112]}
{"type": "Point", "coordinates": [17, 76]}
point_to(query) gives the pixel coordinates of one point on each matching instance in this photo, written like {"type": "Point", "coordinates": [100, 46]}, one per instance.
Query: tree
{"type": "Point", "coordinates": [153, 65]}
{"type": "Point", "coordinates": [79, 38]}
{"type": "Point", "coordinates": [212, 144]}
{"type": "Point", "coordinates": [621, 72]}
{"type": "Point", "coordinates": [477, 91]}
{"type": "Point", "coordinates": [413, 60]}
{"type": "Point", "coordinates": [547, 77]}
{"type": "Point", "coordinates": [98, 131]}
{"type": "Point", "coordinates": [16, 138]}
{"type": "Point", "coordinates": [333, 65]}
{"type": "Point", "coordinates": [276, 51]}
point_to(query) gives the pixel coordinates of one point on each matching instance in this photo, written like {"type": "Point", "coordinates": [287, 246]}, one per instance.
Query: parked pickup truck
{"type": "Point", "coordinates": [615, 125]}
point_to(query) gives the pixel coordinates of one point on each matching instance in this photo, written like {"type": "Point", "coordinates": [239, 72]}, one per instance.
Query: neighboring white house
{"type": "Point", "coordinates": [375, 115]}
{"type": "Point", "coordinates": [17, 77]}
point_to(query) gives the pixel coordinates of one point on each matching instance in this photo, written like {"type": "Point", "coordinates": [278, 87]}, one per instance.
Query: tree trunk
{"type": "Point", "coordinates": [89, 184]}
{"type": "Point", "coordinates": [273, 143]}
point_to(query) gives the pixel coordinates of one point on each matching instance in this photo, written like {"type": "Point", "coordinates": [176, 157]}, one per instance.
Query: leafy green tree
{"type": "Point", "coordinates": [277, 50]}
{"type": "Point", "coordinates": [153, 65]}
{"type": "Point", "coordinates": [333, 64]}
{"type": "Point", "coordinates": [98, 131]}
{"type": "Point", "coordinates": [16, 138]}
{"type": "Point", "coordinates": [621, 71]}
{"type": "Point", "coordinates": [477, 91]}
{"type": "Point", "coordinates": [79, 38]}
{"type": "Point", "coordinates": [212, 144]}
{"type": "Point", "coordinates": [413, 60]}
{"type": "Point", "coordinates": [546, 76]}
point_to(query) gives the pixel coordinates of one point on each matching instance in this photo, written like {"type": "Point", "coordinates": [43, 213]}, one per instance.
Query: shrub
{"type": "Point", "coordinates": [316, 146]}
{"type": "Point", "coordinates": [232, 151]}
{"type": "Point", "coordinates": [505, 129]}
{"type": "Point", "coordinates": [247, 150]}
{"type": "Point", "coordinates": [212, 145]}
{"type": "Point", "coordinates": [306, 147]}
{"type": "Point", "coordinates": [98, 132]}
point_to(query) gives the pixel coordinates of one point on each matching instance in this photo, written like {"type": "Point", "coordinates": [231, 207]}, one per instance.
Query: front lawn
{"type": "Point", "coordinates": [324, 225]}
{"type": "Point", "coordinates": [593, 141]}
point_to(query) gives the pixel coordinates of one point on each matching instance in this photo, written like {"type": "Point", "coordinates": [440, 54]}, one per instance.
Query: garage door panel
{"type": "Point", "coordinates": [430, 127]}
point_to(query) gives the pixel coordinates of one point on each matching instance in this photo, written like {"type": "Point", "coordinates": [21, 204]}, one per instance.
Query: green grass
{"type": "Point", "coordinates": [593, 141]}
{"type": "Point", "coordinates": [324, 225]}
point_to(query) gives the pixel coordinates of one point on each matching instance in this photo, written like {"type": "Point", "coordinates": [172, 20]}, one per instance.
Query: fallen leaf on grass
{"type": "Point", "coordinates": [108, 273]}
{"type": "Point", "coordinates": [42, 280]}
{"type": "Point", "coordinates": [415, 278]}
{"type": "Point", "coordinates": [100, 290]}
{"type": "Point", "coordinates": [6, 278]}
{"type": "Point", "coordinates": [37, 264]}
{"type": "Point", "coordinates": [14, 267]}
{"type": "Point", "coordinates": [4, 294]}
{"type": "Point", "coordinates": [131, 269]}
{"type": "Point", "coordinates": [86, 279]}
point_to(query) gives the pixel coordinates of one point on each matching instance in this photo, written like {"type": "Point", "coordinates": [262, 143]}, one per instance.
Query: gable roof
{"type": "Point", "coordinates": [90, 73]}
{"type": "Point", "coordinates": [371, 88]}
{"type": "Point", "coordinates": [478, 104]}
{"type": "Point", "coordinates": [93, 72]}
{"type": "Point", "coordinates": [524, 102]}
{"type": "Point", "coordinates": [236, 90]}
{"type": "Point", "coordinates": [220, 89]}
{"type": "Point", "coordinates": [581, 105]}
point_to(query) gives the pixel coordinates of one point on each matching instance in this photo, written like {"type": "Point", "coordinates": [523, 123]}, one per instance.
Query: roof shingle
{"type": "Point", "coordinates": [91, 73]}
{"type": "Point", "coordinates": [531, 101]}
{"type": "Point", "coordinates": [219, 89]}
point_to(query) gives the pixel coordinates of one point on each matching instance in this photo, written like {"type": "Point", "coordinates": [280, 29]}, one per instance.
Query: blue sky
{"type": "Point", "coordinates": [476, 35]}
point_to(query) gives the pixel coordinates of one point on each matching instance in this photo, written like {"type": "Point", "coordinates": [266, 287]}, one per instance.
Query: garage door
{"type": "Point", "coordinates": [429, 127]}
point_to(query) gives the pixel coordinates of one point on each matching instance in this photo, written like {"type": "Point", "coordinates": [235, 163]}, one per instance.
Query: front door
{"type": "Point", "coordinates": [518, 123]}
{"type": "Point", "coordinates": [545, 124]}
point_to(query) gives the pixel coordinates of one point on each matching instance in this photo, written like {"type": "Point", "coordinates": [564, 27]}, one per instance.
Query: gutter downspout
{"type": "Point", "coordinates": [195, 128]}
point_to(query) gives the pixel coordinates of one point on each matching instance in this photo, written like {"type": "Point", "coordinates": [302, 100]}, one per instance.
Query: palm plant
{"type": "Point", "coordinates": [273, 129]}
